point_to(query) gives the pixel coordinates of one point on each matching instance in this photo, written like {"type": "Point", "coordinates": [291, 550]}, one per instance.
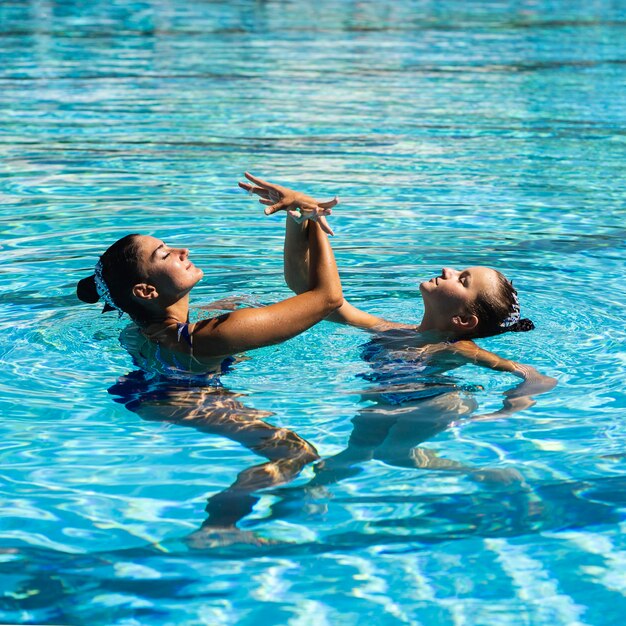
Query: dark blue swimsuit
{"type": "Point", "coordinates": [157, 376]}
{"type": "Point", "coordinates": [400, 378]}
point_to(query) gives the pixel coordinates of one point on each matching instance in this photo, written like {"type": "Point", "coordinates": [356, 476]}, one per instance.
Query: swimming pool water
{"type": "Point", "coordinates": [455, 134]}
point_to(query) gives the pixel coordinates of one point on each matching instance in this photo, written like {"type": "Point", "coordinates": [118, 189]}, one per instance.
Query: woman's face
{"type": "Point", "coordinates": [167, 269]}
{"type": "Point", "coordinates": [453, 292]}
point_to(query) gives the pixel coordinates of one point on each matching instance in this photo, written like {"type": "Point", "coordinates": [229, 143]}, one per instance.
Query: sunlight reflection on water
{"type": "Point", "coordinates": [454, 135]}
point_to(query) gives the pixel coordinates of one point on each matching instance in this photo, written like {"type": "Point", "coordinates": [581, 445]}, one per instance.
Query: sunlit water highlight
{"type": "Point", "coordinates": [455, 134]}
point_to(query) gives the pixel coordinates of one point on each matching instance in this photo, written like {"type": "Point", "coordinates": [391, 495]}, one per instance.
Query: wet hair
{"type": "Point", "coordinates": [119, 268]}
{"type": "Point", "coordinates": [498, 312]}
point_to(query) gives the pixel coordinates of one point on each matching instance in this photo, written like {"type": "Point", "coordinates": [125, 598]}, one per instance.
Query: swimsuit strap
{"type": "Point", "coordinates": [183, 331]}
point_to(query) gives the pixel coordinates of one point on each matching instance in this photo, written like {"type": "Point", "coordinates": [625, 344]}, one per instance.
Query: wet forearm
{"type": "Point", "coordinates": [296, 255]}
{"type": "Point", "coordinates": [296, 266]}
{"type": "Point", "coordinates": [322, 272]}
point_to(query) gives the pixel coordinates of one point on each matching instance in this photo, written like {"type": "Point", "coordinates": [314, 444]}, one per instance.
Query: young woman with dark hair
{"type": "Point", "coordinates": [179, 361]}
{"type": "Point", "coordinates": [150, 281]}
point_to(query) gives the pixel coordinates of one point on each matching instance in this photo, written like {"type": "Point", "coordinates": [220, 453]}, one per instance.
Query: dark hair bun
{"type": "Point", "coordinates": [521, 326]}
{"type": "Point", "coordinates": [86, 290]}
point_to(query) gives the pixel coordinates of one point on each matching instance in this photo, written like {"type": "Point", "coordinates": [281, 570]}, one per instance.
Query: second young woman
{"type": "Point", "coordinates": [459, 306]}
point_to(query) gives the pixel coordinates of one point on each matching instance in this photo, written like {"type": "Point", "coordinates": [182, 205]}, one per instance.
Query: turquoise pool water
{"type": "Point", "coordinates": [455, 134]}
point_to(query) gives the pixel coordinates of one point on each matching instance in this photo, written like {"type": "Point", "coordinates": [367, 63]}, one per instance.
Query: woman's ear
{"type": "Point", "coordinates": [464, 323]}
{"type": "Point", "coordinates": [143, 291]}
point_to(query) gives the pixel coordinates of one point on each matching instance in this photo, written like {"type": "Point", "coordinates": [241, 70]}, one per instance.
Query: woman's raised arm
{"type": "Point", "coordinates": [246, 329]}
{"type": "Point", "coordinates": [296, 263]}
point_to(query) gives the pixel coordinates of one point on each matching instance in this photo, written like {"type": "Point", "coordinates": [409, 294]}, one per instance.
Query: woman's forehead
{"type": "Point", "coordinates": [481, 270]}
{"type": "Point", "coordinates": [149, 239]}
{"type": "Point", "coordinates": [148, 242]}
{"type": "Point", "coordinates": [147, 245]}
{"type": "Point", "coordinates": [483, 278]}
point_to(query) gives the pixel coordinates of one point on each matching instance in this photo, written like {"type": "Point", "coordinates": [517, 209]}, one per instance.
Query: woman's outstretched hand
{"type": "Point", "coordinates": [298, 205]}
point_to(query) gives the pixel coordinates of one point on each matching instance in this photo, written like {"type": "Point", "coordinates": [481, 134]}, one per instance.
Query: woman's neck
{"type": "Point", "coordinates": [174, 313]}
{"type": "Point", "coordinates": [432, 327]}
{"type": "Point", "coordinates": [430, 323]}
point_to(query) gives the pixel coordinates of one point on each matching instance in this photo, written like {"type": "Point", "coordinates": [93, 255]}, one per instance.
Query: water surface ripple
{"type": "Point", "coordinates": [455, 134]}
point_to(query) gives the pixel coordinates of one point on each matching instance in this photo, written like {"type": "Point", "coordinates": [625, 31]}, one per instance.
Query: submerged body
{"type": "Point", "coordinates": [172, 386]}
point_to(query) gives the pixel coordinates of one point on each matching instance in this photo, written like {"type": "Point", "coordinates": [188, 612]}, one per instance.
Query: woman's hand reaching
{"type": "Point", "coordinates": [298, 205]}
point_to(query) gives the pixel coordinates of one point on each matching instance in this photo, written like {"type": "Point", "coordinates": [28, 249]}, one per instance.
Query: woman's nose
{"type": "Point", "coordinates": [446, 272]}
{"type": "Point", "coordinates": [184, 253]}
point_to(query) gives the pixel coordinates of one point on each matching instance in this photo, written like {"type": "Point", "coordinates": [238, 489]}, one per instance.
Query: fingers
{"type": "Point", "coordinates": [277, 198]}
{"type": "Point", "coordinates": [329, 203]}
{"type": "Point", "coordinates": [314, 212]}
{"type": "Point", "coordinates": [267, 197]}
{"type": "Point", "coordinates": [300, 217]}
{"type": "Point", "coordinates": [252, 189]}
{"type": "Point", "coordinates": [259, 181]}
{"type": "Point", "coordinates": [296, 216]}
{"type": "Point", "coordinates": [309, 207]}
{"type": "Point", "coordinates": [259, 191]}
{"type": "Point", "coordinates": [325, 227]}
{"type": "Point", "coordinates": [270, 210]}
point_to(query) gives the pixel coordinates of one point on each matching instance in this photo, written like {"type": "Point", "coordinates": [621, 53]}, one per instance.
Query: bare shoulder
{"type": "Point", "coordinates": [208, 340]}
{"type": "Point", "coordinates": [464, 348]}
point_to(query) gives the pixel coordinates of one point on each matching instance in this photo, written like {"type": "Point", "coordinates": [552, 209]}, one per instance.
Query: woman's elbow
{"type": "Point", "coordinates": [327, 299]}
{"type": "Point", "coordinates": [334, 301]}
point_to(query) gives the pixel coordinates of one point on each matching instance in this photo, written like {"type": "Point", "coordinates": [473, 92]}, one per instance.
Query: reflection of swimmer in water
{"type": "Point", "coordinates": [410, 405]}
{"type": "Point", "coordinates": [392, 434]}
{"type": "Point", "coordinates": [150, 281]}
